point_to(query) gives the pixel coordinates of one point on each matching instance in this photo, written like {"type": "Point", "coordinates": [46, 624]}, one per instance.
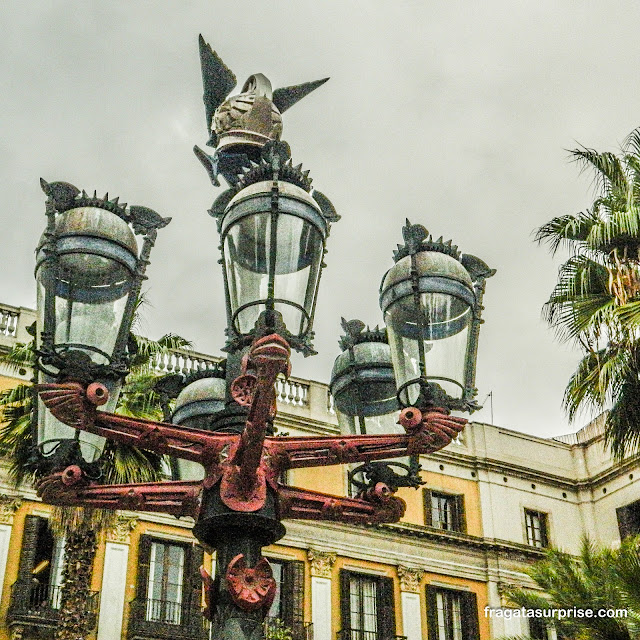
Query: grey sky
{"type": "Point", "coordinates": [455, 115]}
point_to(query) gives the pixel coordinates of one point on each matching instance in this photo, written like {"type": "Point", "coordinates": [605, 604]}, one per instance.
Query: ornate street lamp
{"type": "Point", "coordinates": [364, 393]}
{"type": "Point", "coordinates": [273, 227]}
{"type": "Point", "coordinates": [432, 303]}
{"type": "Point", "coordinates": [89, 272]}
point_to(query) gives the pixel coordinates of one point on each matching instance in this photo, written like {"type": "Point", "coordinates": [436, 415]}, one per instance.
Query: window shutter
{"type": "Point", "coordinates": [428, 518]}
{"type": "Point", "coordinates": [144, 558]}
{"type": "Point", "coordinates": [432, 613]}
{"type": "Point", "coordinates": [386, 609]}
{"type": "Point", "coordinates": [192, 579]}
{"type": "Point", "coordinates": [32, 526]}
{"type": "Point", "coordinates": [544, 529]}
{"type": "Point", "coordinates": [292, 595]}
{"type": "Point", "coordinates": [461, 519]}
{"type": "Point", "coordinates": [624, 522]}
{"type": "Point", "coordinates": [470, 616]}
{"type": "Point", "coordinates": [345, 603]}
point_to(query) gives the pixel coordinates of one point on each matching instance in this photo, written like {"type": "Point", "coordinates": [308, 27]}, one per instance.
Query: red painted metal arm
{"type": "Point", "coordinates": [307, 451]}
{"type": "Point", "coordinates": [426, 434]}
{"type": "Point", "coordinates": [74, 405]}
{"type": "Point", "coordinates": [303, 504]}
{"type": "Point", "coordinates": [70, 488]}
{"type": "Point", "coordinates": [159, 437]}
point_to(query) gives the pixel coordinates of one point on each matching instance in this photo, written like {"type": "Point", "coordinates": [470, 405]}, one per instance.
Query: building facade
{"type": "Point", "coordinates": [491, 502]}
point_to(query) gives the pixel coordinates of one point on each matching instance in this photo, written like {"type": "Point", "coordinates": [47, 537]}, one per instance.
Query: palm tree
{"type": "Point", "coordinates": [597, 579]}
{"type": "Point", "coordinates": [122, 464]}
{"type": "Point", "coordinates": [596, 301]}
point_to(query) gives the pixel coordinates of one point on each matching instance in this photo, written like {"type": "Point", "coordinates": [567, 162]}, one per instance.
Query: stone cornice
{"type": "Point", "coordinates": [403, 545]}
{"type": "Point", "coordinates": [286, 420]}
{"type": "Point", "coordinates": [519, 551]}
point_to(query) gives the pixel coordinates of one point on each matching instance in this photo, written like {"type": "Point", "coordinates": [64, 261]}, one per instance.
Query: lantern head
{"type": "Point", "coordinates": [364, 393]}
{"type": "Point", "coordinates": [273, 229]}
{"type": "Point", "coordinates": [432, 301]}
{"type": "Point", "coordinates": [89, 269]}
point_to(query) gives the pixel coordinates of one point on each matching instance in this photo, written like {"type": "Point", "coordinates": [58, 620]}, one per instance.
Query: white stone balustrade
{"type": "Point", "coordinates": [294, 396]}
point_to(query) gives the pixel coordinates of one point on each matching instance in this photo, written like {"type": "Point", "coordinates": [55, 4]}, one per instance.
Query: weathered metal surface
{"type": "Point", "coordinates": [250, 461]}
{"type": "Point", "coordinates": [243, 485]}
{"type": "Point", "coordinates": [250, 588]}
{"type": "Point", "coordinates": [70, 487]}
{"type": "Point", "coordinates": [304, 504]}
{"type": "Point", "coordinates": [219, 81]}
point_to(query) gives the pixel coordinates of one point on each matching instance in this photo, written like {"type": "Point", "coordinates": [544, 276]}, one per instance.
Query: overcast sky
{"type": "Point", "coordinates": [455, 115]}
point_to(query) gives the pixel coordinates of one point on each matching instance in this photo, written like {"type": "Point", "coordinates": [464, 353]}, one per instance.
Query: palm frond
{"type": "Point", "coordinates": [20, 356]}
{"type": "Point", "coordinates": [570, 230]}
{"type": "Point", "coordinates": [148, 350]}
{"type": "Point", "coordinates": [125, 464]}
{"type": "Point", "coordinates": [622, 427]}
{"type": "Point", "coordinates": [16, 446]}
{"type": "Point", "coordinates": [70, 519]}
{"type": "Point", "coordinates": [580, 303]}
{"type": "Point", "coordinates": [631, 143]}
{"type": "Point", "coordinates": [138, 398]}
{"type": "Point", "coordinates": [627, 567]}
{"type": "Point", "coordinates": [609, 172]}
{"type": "Point", "coordinates": [597, 380]}
{"type": "Point", "coordinates": [628, 314]}
{"type": "Point", "coordinates": [589, 582]}
{"type": "Point", "coordinates": [620, 230]}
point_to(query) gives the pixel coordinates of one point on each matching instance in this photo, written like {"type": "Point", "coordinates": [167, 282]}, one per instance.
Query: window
{"type": "Point", "coordinates": [41, 564]}
{"type": "Point", "coordinates": [168, 586]}
{"type": "Point", "coordinates": [444, 511]}
{"type": "Point", "coordinates": [165, 583]}
{"type": "Point", "coordinates": [452, 614]}
{"type": "Point", "coordinates": [288, 604]}
{"type": "Point", "coordinates": [536, 525]}
{"type": "Point", "coordinates": [367, 607]}
{"type": "Point", "coordinates": [629, 520]}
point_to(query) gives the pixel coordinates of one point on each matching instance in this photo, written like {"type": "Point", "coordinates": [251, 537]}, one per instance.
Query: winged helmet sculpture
{"type": "Point", "coordinates": [240, 125]}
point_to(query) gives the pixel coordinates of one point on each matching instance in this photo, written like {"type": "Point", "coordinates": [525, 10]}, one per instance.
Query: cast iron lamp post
{"type": "Point", "coordinates": [273, 228]}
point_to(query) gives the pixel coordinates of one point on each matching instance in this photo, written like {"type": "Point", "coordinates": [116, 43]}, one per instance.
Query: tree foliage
{"type": "Point", "coordinates": [598, 579]}
{"type": "Point", "coordinates": [596, 301]}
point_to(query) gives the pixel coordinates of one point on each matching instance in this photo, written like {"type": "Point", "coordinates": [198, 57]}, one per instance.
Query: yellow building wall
{"type": "Point", "coordinates": [448, 484]}
{"type": "Point", "coordinates": [13, 560]}
{"type": "Point", "coordinates": [326, 479]}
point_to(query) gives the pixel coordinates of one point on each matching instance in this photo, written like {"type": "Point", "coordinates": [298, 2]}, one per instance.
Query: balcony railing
{"type": "Point", "coordinates": [274, 628]}
{"type": "Point", "coordinates": [360, 634]}
{"type": "Point", "coordinates": [166, 620]}
{"type": "Point", "coordinates": [37, 605]}
{"type": "Point", "coordinates": [9, 322]}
